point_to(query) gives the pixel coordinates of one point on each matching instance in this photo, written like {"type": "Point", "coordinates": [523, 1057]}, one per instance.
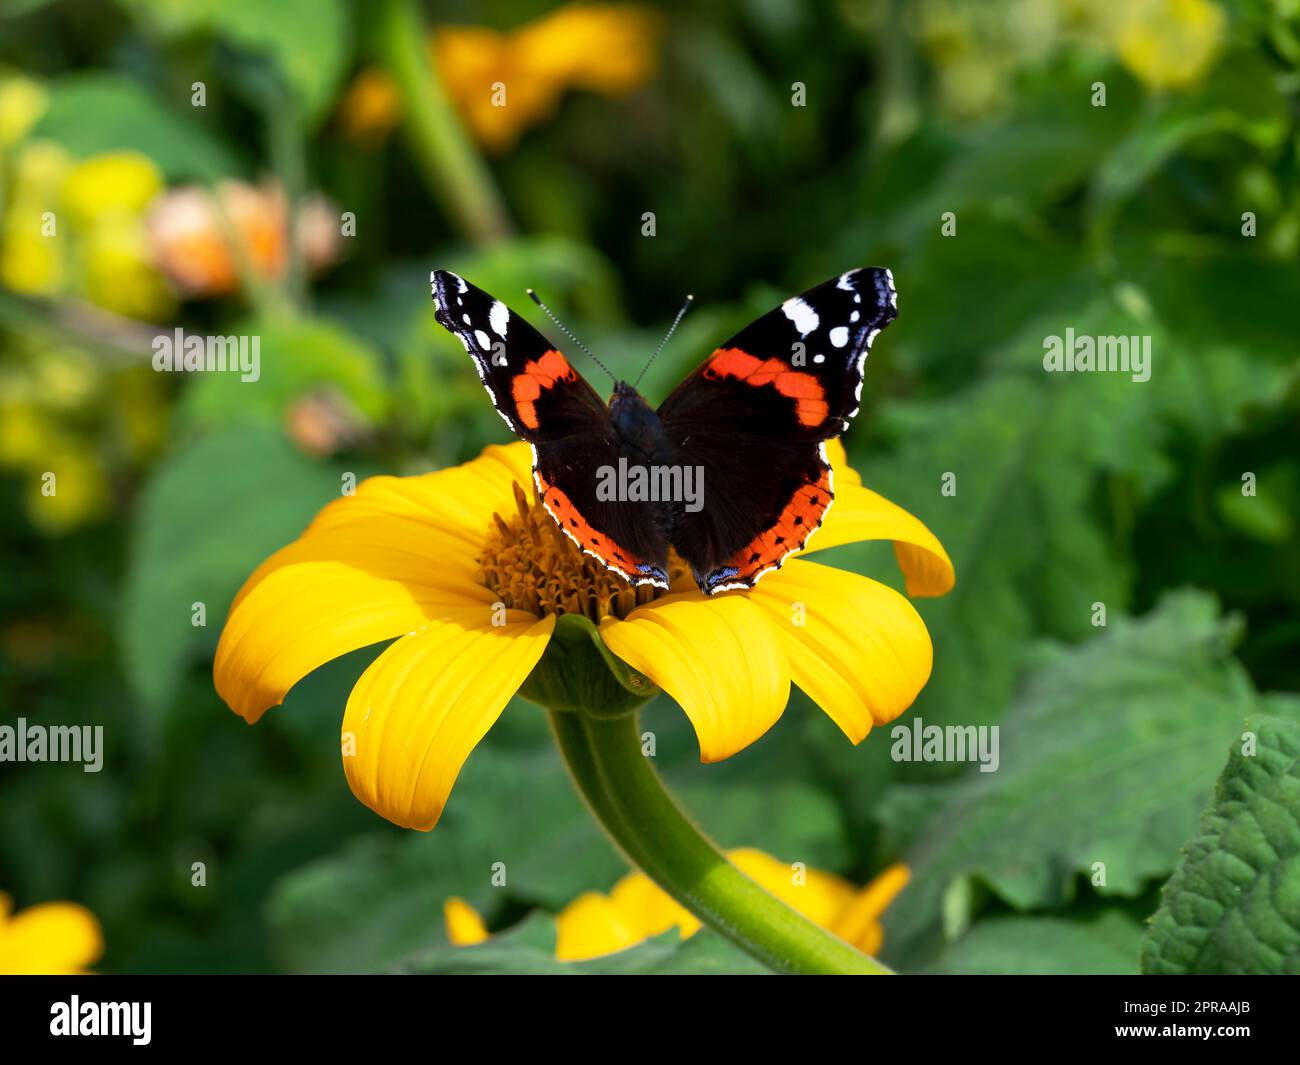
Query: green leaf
{"type": "Point", "coordinates": [1020, 529]}
{"type": "Point", "coordinates": [296, 357]}
{"type": "Point", "coordinates": [1037, 157]}
{"type": "Point", "coordinates": [1233, 903]}
{"type": "Point", "coordinates": [529, 948]}
{"type": "Point", "coordinates": [1106, 757]}
{"type": "Point", "coordinates": [101, 112]}
{"type": "Point", "coordinates": [1105, 944]}
{"type": "Point", "coordinates": [1264, 515]}
{"type": "Point", "coordinates": [1239, 97]}
{"type": "Point", "coordinates": [212, 512]}
{"type": "Point", "coordinates": [308, 40]}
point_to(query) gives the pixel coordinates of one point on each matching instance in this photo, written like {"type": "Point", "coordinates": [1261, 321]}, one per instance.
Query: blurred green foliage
{"type": "Point", "coordinates": [1072, 490]}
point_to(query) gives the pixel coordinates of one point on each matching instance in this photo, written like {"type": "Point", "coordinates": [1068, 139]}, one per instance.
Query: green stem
{"type": "Point", "coordinates": [455, 172]}
{"type": "Point", "coordinates": [627, 797]}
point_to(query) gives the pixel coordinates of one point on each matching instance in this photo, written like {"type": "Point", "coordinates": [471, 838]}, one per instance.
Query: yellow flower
{"type": "Point", "coordinates": [30, 261]}
{"type": "Point", "coordinates": [77, 493]}
{"type": "Point", "coordinates": [53, 938]}
{"type": "Point", "coordinates": [1169, 44]}
{"type": "Point", "coordinates": [22, 102]}
{"type": "Point", "coordinates": [30, 257]}
{"type": "Point", "coordinates": [111, 184]}
{"type": "Point", "coordinates": [502, 83]}
{"type": "Point", "coordinates": [637, 909]}
{"type": "Point", "coordinates": [470, 573]}
{"type": "Point", "coordinates": [371, 106]}
{"type": "Point", "coordinates": [117, 268]}
{"type": "Point", "coordinates": [80, 227]}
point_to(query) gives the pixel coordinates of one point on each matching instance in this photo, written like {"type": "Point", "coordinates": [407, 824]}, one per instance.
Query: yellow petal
{"type": "Point", "coordinates": [839, 460]}
{"type": "Point", "coordinates": [649, 909]}
{"type": "Point", "coordinates": [858, 922]}
{"type": "Point", "coordinates": [57, 938]}
{"type": "Point", "coordinates": [857, 647]}
{"type": "Point", "coordinates": [591, 926]}
{"type": "Point", "coordinates": [860, 514]}
{"type": "Point", "coordinates": [386, 561]}
{"type": "Point", "coordinates": [718, 657]}
{"type": "Point", "coordinates": [329, 594]}
{"type": "Point", "coordinates": [458, 501]}
{"type": "Point", "coordinates": [424, 704]}
{"type": "Point", "coordinates": [464, 925]}
{"type": "Point", "coordinates": [609, 48]}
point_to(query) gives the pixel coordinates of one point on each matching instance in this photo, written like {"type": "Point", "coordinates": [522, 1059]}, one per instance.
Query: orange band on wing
{"type": "Point", "coordinates": [594, 542]}
{"type": "Point", "coordinates": [809, 397]}
{"type": "Point", "coordinates": [537, 375]}
{"type": "Point", "coordinates": [798, 521]}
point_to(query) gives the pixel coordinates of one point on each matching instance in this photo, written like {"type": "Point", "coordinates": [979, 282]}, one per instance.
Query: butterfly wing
{"type": "Point", "coordinates": [755, 416]}
{"type": "Point", "coordinates": [546, 402]}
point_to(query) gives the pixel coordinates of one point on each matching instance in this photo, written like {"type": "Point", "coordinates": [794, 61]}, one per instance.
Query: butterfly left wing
{"type": "Point", "coordinates": [755, 416]}
{"type": "Point", "coordinates": [531, 384]}
{"type": "Point", "coordinates": [546, 402]}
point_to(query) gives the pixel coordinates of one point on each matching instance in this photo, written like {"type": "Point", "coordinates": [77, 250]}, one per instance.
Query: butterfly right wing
{"type": "Point", "coordinates": [755, 416]}
{"type": "Point", "coordinates": [546, 403]}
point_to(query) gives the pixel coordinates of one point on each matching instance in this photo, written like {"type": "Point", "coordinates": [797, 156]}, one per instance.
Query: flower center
{"type": "Point", "coordinates": [533, 566]}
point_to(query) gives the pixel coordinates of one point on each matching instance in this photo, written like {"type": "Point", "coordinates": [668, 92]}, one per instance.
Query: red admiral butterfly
{"type": "Point", "coordinates": [752, 420]}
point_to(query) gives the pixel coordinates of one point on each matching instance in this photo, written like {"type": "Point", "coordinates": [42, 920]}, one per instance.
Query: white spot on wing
{"type": "Point", "coordinates": [803, 316]}
{"type": "Point", "coordinates": [840, 336]}
{"type": "Point", "coordinates": [498, 316]}
{"type": "Point", "coordinates": [484, 341]}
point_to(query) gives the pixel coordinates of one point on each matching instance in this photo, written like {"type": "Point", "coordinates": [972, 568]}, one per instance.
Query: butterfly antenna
{"type": "Point", "coordinates": [565, 330]}
{"type": "Point", "coordinates": [686, 306]}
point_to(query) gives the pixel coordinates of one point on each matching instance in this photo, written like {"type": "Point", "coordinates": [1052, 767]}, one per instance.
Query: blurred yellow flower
{"type": "Point", "coordinates": [637, 909]}
{"type": "Point", "coordinates": [67, 488]}
{"type": "Point", "coordinates": [22, 102]}
{"type": "Point", "coordinates": [1168, 44]}
{"type": "Point", "coordinates": [39, 171]}
{"type": "Point", "coordinates": [112, 184]}
{"type": "Point", "coordinates": [502, 83]}
{"type": "Point", "coordinates": [52, 938]}
{"type": "Point", "coordinates": [64, 412]}
{"type": "Point", "coordinates": [117, 271]}
{"type": "Point", "coordinates": [29, 261]}
{"type": "Point", "coordinates": [371, 106]}
{"type": "Point", "coordinates": [31, 258]}
{"type": "Point", "coordinates": [78, 228]}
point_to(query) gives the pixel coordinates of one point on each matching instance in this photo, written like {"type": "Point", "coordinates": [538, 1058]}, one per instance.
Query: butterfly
{"type": "Point", "coordinates": [731, 469]}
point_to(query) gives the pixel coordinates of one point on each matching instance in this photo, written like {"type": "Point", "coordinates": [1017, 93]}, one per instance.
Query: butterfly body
{"type": "Point", "coordinates": [730, 471]}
